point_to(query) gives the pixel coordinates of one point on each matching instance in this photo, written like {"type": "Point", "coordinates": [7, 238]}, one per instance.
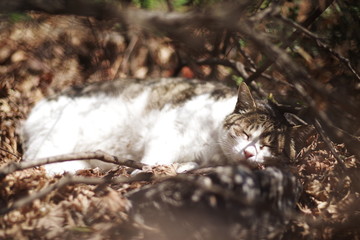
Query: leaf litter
{"type": "Point", "coordinates": [40, 59]}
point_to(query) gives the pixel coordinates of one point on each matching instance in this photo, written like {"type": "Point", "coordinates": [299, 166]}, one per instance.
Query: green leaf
{"type": "Point", "coordinates": [19, 17]}
{"type": "Point", "coordinates": [237, 79]}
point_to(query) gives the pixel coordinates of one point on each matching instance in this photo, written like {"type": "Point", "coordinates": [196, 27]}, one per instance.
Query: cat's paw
{"type": "Point", "coordinates": [65, 167]}
{"type": "Point", "coordinates": [185, 167]}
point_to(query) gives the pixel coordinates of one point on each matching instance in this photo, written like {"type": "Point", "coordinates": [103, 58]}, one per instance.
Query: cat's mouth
{"type": "Point", "coordinates": [248, 153]}
{"type": "Point", "coordinates": [252, 158]}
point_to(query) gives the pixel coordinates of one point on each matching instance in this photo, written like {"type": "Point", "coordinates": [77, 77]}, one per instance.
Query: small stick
{"type": "Point", "coordinates": [309, 20]}
{"type": "Point", "coordinates": [69, 180]}
{"type": "Point", "coordinates": [323, 45]}
{"type": "Point", "coordinates": [97, 155]}
{"type": "Point", "coordinates": [329, 144]}
{"type": "Point", "coordinates": [7, 151]}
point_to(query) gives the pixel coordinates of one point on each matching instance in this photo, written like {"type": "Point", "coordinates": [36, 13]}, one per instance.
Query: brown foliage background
{"type": "Point", "coordinates": [302, 54]}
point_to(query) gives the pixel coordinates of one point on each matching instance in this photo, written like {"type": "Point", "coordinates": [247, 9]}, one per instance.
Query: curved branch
{"type": "Point", "coordinates": [69, 180]}
{"type": "Point", "coordinates": [97, 155]}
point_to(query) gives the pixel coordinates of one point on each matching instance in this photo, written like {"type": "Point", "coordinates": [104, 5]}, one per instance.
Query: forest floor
{"type": "Point", "coordinates": [43, 58]}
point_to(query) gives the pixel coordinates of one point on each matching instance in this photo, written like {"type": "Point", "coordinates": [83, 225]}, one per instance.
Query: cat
{"type": "Point", "coordinates": [157, 121]}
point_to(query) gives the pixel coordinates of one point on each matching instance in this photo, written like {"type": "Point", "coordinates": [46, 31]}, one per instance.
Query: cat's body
{"type": "Point", "coordinates": [156, 122]}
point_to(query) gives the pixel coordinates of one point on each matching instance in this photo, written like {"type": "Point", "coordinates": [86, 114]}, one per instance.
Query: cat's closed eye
{"type": "Point", "coordinates": [243, 135]}
{"type": "Point", "coordinates": [233, 136]}
{"type": "Point", "coordinates": [266, 146]}
{"type": "Point", "coordinates": [247, 136]}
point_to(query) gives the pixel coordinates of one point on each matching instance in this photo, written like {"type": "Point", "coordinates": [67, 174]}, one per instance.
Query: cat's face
{"type": "Point", "coordinates": [248, 136]}
{"type": "Point", "coordinates": [255, 132]}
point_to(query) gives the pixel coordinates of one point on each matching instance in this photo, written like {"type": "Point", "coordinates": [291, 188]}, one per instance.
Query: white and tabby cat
{"type": "Point", "coordinates": [160, 121]}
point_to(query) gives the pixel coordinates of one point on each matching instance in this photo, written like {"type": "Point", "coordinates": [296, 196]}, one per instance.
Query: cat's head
{"type": "Point", "coordinates": [255, 131]}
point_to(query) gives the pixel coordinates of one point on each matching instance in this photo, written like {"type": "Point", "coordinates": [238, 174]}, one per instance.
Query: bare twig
{"type": "Point", "coordinates": [300, 78]}
{"type": "Point", "coordinates": [238, 67]}
{"type": "Point", "coordinates": [169, 5]}
{"type": "Point", "coordinates": [342, 59]}
{"type": "Point", "coordinates": [260, 15]}
{"type": "Point", "coordinates": [98, 155]}
{"type": "Point", "coordinates": [7, 151]}
{"type": "Point", "coordinates": [69, 180]}
{"type": "Point", "coordinates": [329, 144]}
{"type": "Point", "coordinates": [312, 17]}
{"type": "Point", "coordinates": [253, 69]}
{"type": "Point", "coordinates": [124, 62]}
{"type": "Point", "coordinates": [298, 26]}
{"type": "Point", "coordinates": [247, 57]}
{"type": "Point", "coordinates": [321, 44]}
{"type": "Point", "coordinates": [271, 78]}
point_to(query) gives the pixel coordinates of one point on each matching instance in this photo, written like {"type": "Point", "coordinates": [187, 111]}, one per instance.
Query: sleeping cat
{"type": "Point", "coordinates": [160, 121]}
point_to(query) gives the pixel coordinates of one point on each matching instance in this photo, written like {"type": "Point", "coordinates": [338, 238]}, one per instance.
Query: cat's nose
{"type": "Point", "coordinates": [248, 153]}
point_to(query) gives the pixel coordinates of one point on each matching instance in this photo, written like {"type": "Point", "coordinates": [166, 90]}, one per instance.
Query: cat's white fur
{"type": "Point", "coordinates": [125, 128]}
{"type": "Point", "coordinates": [242, 147]}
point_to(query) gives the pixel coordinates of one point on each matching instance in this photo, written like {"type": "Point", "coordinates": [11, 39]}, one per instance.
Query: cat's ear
{"type": "Point", "coordinates": [245, 101]}
{"type": "Point", "coordinates": [299, 138]}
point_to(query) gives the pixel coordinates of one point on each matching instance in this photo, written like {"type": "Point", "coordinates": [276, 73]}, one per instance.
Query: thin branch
{"type": "Point", "coordinates": [329, 144]}
{"type": "Point", "coordinates": [97, 155]}
{"type": "Point", "coordinates": [309, 20]}
{"type": "Point", "coordinates": [271, 78]}
{"type": "Point", "coordinates": [301, 79]}
{"type": "Point", "coordinates": [169, 5]}
{"type": "Point", "coordinates": [127, 54]}
{"type": "Point", "coordinates": [253, 69]}
{"type": "Point", "coordinates": [298, 26]}
{"type": "Point", "coordinates": [271, 10]}
{"type": "Point", "coordinates": [240, 69]}
{"type": "Point", "coordinates": [321, 44]}
{"type": "Point", "coordinates": [342, 59]}
{"type": "Point", "coordinates": [70, 180]}
{"type": "Point", "coordinates": [7, 151]}
{"type": "Point", "coordinates": [247, 57]}
{"type": "Point", "coordinates": [237, 66]}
